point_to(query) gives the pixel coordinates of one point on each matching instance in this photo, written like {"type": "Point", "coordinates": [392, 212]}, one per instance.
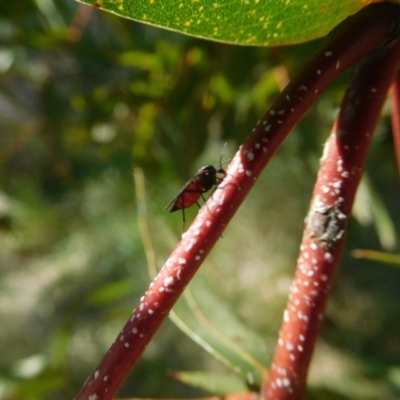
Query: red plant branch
{"type": "Point", "coordinates": [395, 92]}
{"type": "Point", "coordinates": [346, 46]}
{"type": "Point", "coordinates": [342, 165]}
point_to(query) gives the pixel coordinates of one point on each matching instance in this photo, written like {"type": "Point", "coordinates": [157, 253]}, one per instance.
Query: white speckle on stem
{"type": "Point", "coordinates": [250, 156]}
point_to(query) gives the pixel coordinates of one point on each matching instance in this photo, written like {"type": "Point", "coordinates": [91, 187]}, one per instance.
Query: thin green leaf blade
{"type": "Point", "coordinates": [212, 324]}
{"type": "Point", "coordinates": [378, 256]}
{"type": "Point", "coordinates": [214, 382]}
{"type": "Point", "coordinates": [369, 208]}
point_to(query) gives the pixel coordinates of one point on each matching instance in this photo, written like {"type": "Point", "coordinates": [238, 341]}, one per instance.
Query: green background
{"type": "Point", "coordinates": [86, 97]}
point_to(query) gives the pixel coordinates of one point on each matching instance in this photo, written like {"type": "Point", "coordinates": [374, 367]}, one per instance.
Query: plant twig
{"type": "Point", "coordinates": [341, 168]}
{"type": "Point", "coordinates": [395, 114]}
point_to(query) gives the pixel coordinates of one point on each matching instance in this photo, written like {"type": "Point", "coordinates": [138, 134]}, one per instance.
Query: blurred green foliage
{"type": "Point", "coordinates": [84, 98]}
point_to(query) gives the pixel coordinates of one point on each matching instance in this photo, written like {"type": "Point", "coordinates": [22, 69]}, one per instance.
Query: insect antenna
{"type": "Point", "coordinates": [220, 164]}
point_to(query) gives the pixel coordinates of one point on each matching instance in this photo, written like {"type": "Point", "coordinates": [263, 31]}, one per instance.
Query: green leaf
{"type": "Point", "coordinates": [369, 208]}
{"type": "Point", "coordinates": [213, 382]}
{"type": "Point", "coordinates": [245, 22]}
{"type": "Point", "coordinates": [379, 256]}
{"type": "Point", "coordinates": [204, 317]}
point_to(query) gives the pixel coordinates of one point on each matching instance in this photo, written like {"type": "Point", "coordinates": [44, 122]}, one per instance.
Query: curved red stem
{"type": "Point", "coordinates": [341, 168]}
{"type": "Point", "coordinates": [395, 95]}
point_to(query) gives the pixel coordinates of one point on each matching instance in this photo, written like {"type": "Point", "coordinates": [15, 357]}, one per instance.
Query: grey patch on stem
{"type": "Point", "coordinates": [328, 225]}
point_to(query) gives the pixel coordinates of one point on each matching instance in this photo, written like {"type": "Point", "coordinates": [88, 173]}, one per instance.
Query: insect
{"type": "Point", "coordinates": [205, 178]}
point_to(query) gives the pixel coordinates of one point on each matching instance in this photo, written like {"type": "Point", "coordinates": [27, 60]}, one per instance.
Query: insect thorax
{"type": "Point", "coordinates": [207, 176]}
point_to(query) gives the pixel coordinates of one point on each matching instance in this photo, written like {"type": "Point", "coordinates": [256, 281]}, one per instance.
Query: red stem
{"type": "Point", "coordinates": [342, 165]}
{"type": "Point", "coordinates": [347, 45]}
{"type": "Point", "coordinates": [395, 95]}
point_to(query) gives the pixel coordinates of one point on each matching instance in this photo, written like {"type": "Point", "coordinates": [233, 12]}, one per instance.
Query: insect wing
{"type": "Point", "coordinates": [188, 195]}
